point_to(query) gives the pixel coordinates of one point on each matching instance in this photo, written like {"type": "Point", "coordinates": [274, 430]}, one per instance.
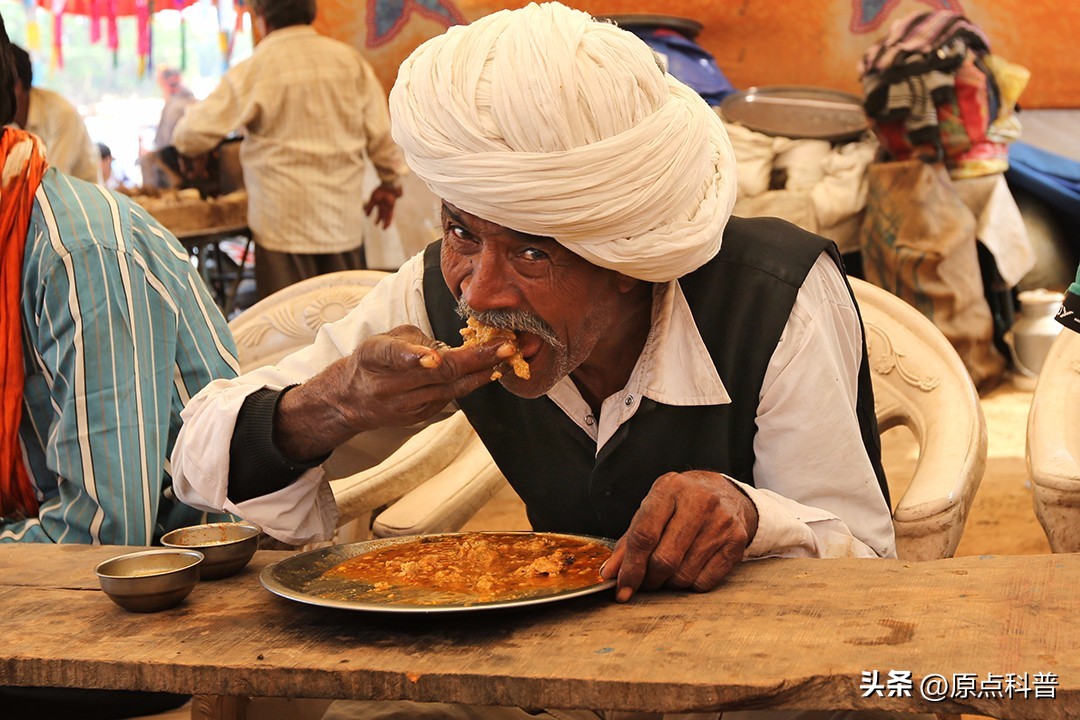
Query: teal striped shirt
{"type": "Point", "coordinates": [118, 332]}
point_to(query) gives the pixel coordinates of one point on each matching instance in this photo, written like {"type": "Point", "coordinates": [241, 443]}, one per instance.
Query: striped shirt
{"type": "Point", "coordinates": [118, 332]}
{"type": "Point", "coordinates": [311, 109]}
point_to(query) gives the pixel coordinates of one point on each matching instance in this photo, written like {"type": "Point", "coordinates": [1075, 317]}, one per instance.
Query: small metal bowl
{"type": "Point", "coordinates": [150, 580]}
{"type": "Point", "coordinates": [228, 546]}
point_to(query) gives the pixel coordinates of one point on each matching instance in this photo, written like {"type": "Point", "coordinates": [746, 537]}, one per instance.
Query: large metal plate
{"type": "Point", "coordinates": [797, 111]}
{"type": "Point", "coordinates": [300, 578]}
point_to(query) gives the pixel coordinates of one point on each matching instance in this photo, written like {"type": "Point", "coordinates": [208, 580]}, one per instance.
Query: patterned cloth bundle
{"type": "Point", "coordinates": [933, 91]}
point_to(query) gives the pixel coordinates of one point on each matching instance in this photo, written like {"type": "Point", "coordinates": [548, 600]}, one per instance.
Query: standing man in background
{"type": "Point", "coordinates": [177, 98]}
{"type": "Point", "coordinates": [159, 164]}
{"type": "Point", "coordinates": [56, 121]}
{"type": "Point", "coordinates": [310, 108]}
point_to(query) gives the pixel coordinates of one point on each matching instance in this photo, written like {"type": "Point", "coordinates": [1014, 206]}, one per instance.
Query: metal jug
{"type": "Point", "coordinates": [1034, 331]}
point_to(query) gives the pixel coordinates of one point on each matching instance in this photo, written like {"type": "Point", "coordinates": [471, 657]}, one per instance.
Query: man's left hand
{"type": "Point", "coordinates": [690, 531]}
{"type": "Point", "coordinates": [382, 201]}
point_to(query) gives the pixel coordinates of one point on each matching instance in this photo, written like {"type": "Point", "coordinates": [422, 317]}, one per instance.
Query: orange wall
{"type": "Point", "coordinates": [759, 42]}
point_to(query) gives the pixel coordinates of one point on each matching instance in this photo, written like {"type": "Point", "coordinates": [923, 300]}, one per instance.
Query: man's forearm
{"type": "Point", "coordinates": [309, 421]}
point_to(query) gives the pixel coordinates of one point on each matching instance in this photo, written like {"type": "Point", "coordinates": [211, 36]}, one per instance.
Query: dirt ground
{"type": "Point", "coordinates": [1002, 519]}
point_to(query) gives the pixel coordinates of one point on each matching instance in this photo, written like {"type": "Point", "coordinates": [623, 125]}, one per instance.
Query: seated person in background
{"type": "Point", "coordinates": [109, 178]}
{"type": "Point", "coordinates": [57, 122]}
{"type": "Point", "coordinates": [109, 331]}
{"type": "Point", "coordinates": [675, 352]}
{"type": "Point", "coordinates": [105, 153]}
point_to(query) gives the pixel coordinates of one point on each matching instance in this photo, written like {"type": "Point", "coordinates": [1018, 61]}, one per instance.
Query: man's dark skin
{"type": "Point", "coordinates": [690, 530]}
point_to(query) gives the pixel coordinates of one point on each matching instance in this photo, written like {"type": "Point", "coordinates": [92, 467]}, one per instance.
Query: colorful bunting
{"type": "Point", "coordinates": [109, 10]}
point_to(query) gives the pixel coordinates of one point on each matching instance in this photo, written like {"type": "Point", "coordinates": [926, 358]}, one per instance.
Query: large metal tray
{"type": "Point", "coordinates": [299, 578]}
{"type": "Point", "coordinates": [797, 111]}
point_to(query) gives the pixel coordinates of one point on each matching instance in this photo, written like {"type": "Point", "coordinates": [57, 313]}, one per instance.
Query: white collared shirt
{"type": "Point", "coordinates": [816, 492]}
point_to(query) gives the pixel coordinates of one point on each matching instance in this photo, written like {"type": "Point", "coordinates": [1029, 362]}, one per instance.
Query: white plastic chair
{"type": "Point", "coordinates": [921, 383]}
{"type": "Point", "coordinates": [433, 480]}
{"type": "Point", "coordinates": [1053, 444]}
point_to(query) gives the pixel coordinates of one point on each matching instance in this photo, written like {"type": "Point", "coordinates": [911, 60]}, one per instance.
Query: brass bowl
{"type": "Point", "coordinates": [228, 546]}
{"type": "Point", "coordinates": [150, 580]}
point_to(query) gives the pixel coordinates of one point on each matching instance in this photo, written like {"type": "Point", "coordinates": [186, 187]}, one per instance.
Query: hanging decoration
{"type": "Point", "coordinates": [109, 10]}
{"type": "Point", "coordinates": [58, 34]}
{"type": "Point", "coordinates": [33, 30]}
{"type": "Point", "coordinates": [95, 21]}
{"type": "Point", "coordinates": [113, 39]}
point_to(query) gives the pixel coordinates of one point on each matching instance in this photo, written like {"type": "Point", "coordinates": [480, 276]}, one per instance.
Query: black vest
{"type": "Point", "coordinates": [741, 301]}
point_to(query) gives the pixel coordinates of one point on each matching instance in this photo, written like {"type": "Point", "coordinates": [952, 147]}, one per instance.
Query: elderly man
{"type": "Point", "coordinates": [312, 112]}
{"type": "Point", "coordinates": [160, 166]}
{"type": "Point", "coordinates": [177, 98]}
{"type": "Point", "coordinates": [698, 386]}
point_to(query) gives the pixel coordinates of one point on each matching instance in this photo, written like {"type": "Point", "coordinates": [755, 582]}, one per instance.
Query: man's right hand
{"type": "Point", "coordinates": [390, 380]}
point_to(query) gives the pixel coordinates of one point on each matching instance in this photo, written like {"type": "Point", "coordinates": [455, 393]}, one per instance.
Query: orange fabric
{"type": "Point", "coordinates": [26, 157]}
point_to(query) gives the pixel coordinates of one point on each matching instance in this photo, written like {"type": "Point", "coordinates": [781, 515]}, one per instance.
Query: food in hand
{"type": "Point", "coordinates": [477, 333]}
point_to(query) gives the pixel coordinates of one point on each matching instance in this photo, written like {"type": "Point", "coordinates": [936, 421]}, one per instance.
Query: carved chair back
{"type": "Point", "coordinates": [921, 383]}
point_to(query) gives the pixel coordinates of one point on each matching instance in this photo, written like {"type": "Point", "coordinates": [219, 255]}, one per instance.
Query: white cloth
{"type": "Point", "coordinates": [999, 224]}
{"type": "Point", "coordinates": [68, 146]}
{"type": "Point", "coordinates": [816, 494]}
{"type": "Point", "coordinates": [826, 194]}
{"type": "Point", "coordinates": [545, 121]}
{"type": "Point", "coordinates": [826, 186]}
{"type": "Point", "coordinates": [310, 107]}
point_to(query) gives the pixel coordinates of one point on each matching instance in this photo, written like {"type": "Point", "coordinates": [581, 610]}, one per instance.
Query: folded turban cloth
{"type": "Point", "coordinates": [551, 123]}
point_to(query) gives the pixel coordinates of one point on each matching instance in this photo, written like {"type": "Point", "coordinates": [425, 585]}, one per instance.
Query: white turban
{"type": "Point", "coordinates": [551, 123]}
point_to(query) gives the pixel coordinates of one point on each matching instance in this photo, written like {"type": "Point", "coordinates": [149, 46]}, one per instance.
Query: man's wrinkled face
{"type": "Point", "coordinates": [559, 304]}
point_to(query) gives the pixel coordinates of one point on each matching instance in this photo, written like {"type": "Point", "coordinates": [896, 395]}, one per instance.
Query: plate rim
{"type": "Point", "coordinates": [270, 583]}
{"type": "Point", "coordinates": [739, 97]}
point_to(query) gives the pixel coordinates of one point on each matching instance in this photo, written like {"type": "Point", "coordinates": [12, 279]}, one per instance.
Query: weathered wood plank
{"type": "Point", "coordinates": [780, 633]}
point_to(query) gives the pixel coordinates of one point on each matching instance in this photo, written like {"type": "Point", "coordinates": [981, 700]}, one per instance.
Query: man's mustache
{"type": "Point", "coordinates": [516, 320]}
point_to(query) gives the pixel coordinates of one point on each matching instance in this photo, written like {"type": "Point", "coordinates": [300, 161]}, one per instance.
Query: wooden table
{"type": "Point", "coordinates": [779, 633]}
